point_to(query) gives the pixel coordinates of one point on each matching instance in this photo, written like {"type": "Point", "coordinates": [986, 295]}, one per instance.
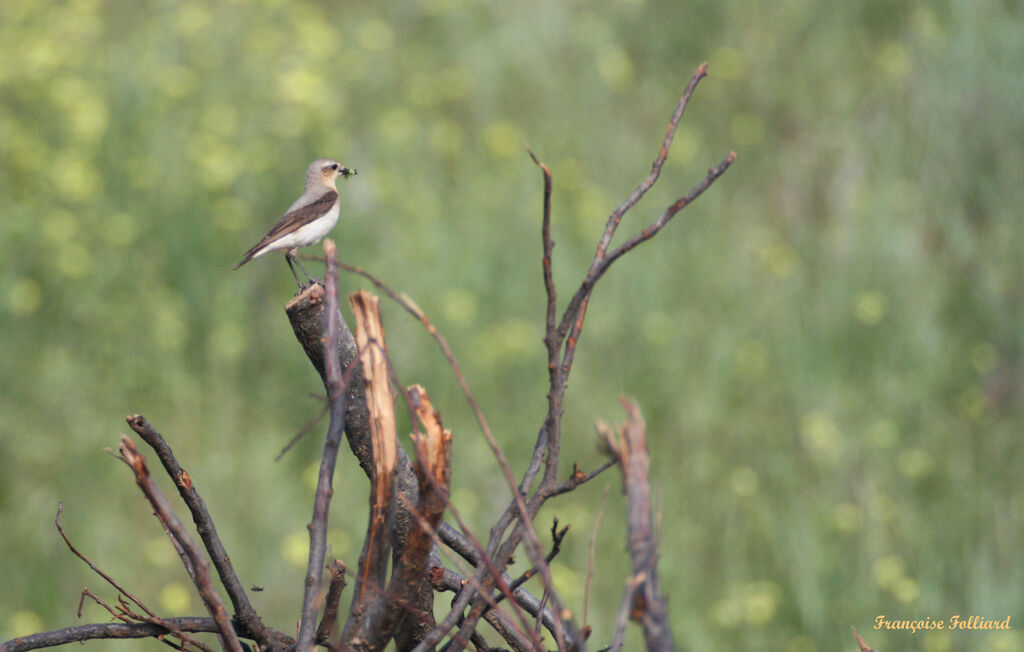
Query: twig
{"type": "Point", "coordinates": [864, 647]}
{"type": "Point", "coordinates": [576, 478]}
{"type": "Point", "coordinates": [325, 477]}
{"type": "Point", "coordinates": [616, 216]}
{"type": "Point", "coordinates": [202, 580]}
{"type": "Point", "coordinates": [536, 629]}
{"type": "Point", "coordinates": [625, 607]}
{"type": "Point", "coordinates": [557, 536]}
{"type": "Point", "coordinates": [244, 611]}
{"type": "Point", "coordinates": [127, 615]}
{"type": "Point", "coordinates": [304, 430]}
{"type": "Point", "coordinates": [86, 593]}
{"type": "Point", "coordinates": [93, 567]}
{"type": "Point", "coordinates": [330, 616]}
{"type": "Point", "coordinates": [546, 260]}
{"type": "Point", "coordinates": [663, 219]}
{"type": "Point", "coordinates": [552, 422]}
{"type": "Point", "coordinates": [590, 561]}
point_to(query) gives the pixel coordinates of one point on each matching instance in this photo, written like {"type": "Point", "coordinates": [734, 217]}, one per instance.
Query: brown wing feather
{"type": "Point", "coordinates": [293, 221]}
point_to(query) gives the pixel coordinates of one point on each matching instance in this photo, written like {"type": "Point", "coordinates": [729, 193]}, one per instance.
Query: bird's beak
{"type": "Point", "coordinates": [346, 172]}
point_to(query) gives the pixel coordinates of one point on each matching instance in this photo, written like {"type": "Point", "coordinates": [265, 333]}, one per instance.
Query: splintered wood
{"type": "Point", "coordinates": [373, 356]}
{"type": "Point", "coordinates": [433, 447]}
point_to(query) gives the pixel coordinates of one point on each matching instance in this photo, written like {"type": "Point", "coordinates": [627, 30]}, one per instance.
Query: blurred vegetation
{"type": "Point", "coordinates": [827, 346]}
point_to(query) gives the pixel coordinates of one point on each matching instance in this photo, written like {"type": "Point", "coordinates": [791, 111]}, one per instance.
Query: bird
{"type": "Point", "coordinates": [308, 219]}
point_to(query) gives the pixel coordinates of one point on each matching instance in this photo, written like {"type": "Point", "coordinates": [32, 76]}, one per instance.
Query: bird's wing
{"type": "Point", "coordinates": [298, 218]}
{"type": "Point", "coordinates": [293, 220]}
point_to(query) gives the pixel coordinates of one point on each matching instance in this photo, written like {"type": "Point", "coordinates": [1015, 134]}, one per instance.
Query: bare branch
{"type": "Point", "coordinates": [207, 530]}
{"type": "Point", "coordinates": [546, 261]}
{"type": "Point", "coordinates": [668, 214]}
{"type": "Point", "coordinates": [334, 589]}
{"type": "Point", "coordinates": [203, 582]}
{"type": "Point", "coordinates": [864, 647]}
{"type": "Point", "coordinates": [304, 430]}
{"type": "Point", "coordinates": [659, 161]}
{"type": "Point", "coordinates": [647, 603]}
{"type": "Point", "coordinates": [325, 478]}
{"type": "Point", "coordinates": [308, 316]}
{"type": "Point", "coordinates": [557, 536]}
{"type": "Point", "coordinates": [96, 631]}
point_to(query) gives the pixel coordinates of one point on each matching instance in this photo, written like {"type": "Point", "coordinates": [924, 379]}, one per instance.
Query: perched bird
{"type": "Point", "coordinates": [309, 219]}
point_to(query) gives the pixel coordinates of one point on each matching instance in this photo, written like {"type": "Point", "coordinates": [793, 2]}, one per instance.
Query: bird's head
{"type": "Point", "coordinates": [326, 171]}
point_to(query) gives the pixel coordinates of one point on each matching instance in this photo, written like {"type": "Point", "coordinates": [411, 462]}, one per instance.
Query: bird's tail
{"type": "Point", "coordinates": [244, 260]}
{"type": "Point", "coordinates": [249, 255]}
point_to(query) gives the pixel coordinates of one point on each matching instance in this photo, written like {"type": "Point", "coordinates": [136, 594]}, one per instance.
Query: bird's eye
{"type": "Point", "coordinates": [334, 166]}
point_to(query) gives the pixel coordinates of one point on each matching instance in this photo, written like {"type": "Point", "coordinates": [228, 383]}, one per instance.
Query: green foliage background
{"type": "Point", "coordinates": [827, 346]}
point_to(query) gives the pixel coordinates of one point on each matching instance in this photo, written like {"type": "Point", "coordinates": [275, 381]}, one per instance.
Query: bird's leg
{"type": "Point", "coordinates": [289, 256]}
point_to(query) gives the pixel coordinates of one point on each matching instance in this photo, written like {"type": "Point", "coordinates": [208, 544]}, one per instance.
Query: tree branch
{"type": "Point", "coordinates": [647, 604]}
{"type": "Point", "coordinates": [163, 510]}
{"type": "Point", "coordinates": [244, 612]}
{"type": "Point", "coordinates": [95, 631]}
{"type": "Point", "coordinates": [325, 477]}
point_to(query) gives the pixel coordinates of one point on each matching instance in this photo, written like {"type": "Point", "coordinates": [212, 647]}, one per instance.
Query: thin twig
{"type": "Point", "coordinates": [861, 643]}
{"type": "Point", "coordinates": [670, 212]}
{"type": "Point", "coordinates": [304, 430]}
{"type": "Point", "coordinates": [625, 606]}
{"type": "Point", "coordinates": [590, 560]}
{"type": "Point", "coordinates": [93, 567]}
{"type": "Point", "coordinates": [616, 216]}
{"type": "Point", "coordinates": [536, 630]}
{"type": "Point", "coordinates": [548, 249]}
{"type": "Point", "coordinates": [557, 536]}
{"type": "Point", "coordinates": [552, 422]}
{"type": "Point", "coordinates": [576, 478]}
